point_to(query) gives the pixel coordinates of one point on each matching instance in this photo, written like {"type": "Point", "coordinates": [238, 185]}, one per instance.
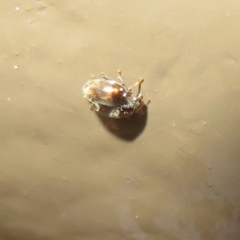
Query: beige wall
{"type": "Point", "coordinates": [63, 175]}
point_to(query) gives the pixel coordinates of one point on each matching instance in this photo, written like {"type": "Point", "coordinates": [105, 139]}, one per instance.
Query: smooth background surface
{"type": "Point", "coordinates": [64, 176]}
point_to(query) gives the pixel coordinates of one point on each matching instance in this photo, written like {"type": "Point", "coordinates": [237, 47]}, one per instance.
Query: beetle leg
{"type": "Point", "coordinates": [104, 76]}
{"type": "Point", "coordinates": [94, 107]}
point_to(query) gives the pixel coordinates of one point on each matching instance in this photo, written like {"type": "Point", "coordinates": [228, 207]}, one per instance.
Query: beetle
{"type": "Point", "coordinates": [112, 98]}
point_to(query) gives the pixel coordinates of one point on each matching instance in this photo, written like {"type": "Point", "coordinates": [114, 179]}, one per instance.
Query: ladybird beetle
{"type": "Point", "coordinates": [112, 98]}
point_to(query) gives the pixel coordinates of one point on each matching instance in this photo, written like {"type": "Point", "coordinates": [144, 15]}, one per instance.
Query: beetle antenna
{"type": "Point", "coordinates": [120, 75]}
{"type": "Point", "coordinates": [140, 81]}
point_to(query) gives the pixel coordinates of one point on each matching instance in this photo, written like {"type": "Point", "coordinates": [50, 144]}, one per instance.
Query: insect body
{"type": "Point", "coordinates": [112, 98]}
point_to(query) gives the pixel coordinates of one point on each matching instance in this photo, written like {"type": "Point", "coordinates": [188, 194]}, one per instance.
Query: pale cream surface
{"type": "Point", "coordinates": [63, 175]}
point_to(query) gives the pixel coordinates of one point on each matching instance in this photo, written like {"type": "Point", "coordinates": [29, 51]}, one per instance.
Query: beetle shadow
{"type": "Point", "coordinates": [127, 129]}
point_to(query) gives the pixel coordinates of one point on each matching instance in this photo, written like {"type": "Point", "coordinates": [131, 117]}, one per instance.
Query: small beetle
{"type": "Point", "coordinates": [112, 98]}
